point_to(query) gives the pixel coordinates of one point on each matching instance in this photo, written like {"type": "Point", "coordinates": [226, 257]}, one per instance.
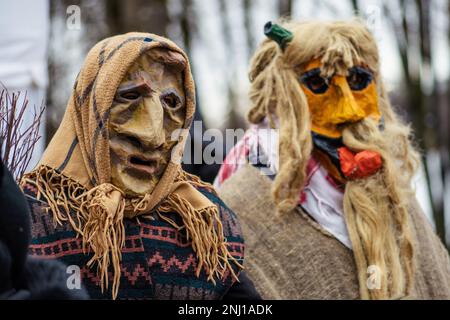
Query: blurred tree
{"type": "Point", "coordinates": [250, 37]}
{"type": "Point", "coordinates": [187, 24]}
{"type": "Point", "coordinates": [355, 5]}
{"type": "Point", "coordinates": [235, 119]}
{"type": "Point", "coordinates": [68, 47]}
{"type": "Point", "coordinates": [422, 97]}
{"type": "Point", "coordinates": [285, 8]}
{"type": "Point", "coordinates": [138, 15]}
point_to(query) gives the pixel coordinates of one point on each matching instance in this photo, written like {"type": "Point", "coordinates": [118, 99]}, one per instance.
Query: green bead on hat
{"type": "Point", "coordinates": [277, 33]}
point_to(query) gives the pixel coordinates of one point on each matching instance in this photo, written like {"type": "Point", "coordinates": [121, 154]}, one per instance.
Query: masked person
{"type": "Point", "coordinates": [325, 199]}
{"type": "Point", "coordinates": [109, 195]}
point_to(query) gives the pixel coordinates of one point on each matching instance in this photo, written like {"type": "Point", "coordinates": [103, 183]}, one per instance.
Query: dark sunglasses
{"type": "Point", "coordinates": [358, 79]}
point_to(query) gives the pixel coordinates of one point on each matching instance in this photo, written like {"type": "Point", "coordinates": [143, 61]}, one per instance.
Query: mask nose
{"type": "Point", "coordinates": [347, 110]}
{"type": "Point", "coordinates": [146, 126]}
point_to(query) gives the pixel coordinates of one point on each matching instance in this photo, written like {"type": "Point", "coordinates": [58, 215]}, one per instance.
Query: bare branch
{"type": "Point", "coordinates": [17, 138]}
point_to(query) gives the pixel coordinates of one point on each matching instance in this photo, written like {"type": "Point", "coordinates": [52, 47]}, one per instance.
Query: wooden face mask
{"type": "Point", "coordinates": [339, 100]}
{"type": "Point", "coordinates": [148, 107]}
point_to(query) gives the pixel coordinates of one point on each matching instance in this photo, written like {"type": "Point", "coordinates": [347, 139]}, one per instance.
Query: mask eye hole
{"type": "Point", "coordinates": [171, 100]}
{"type": "Point", "coordinates": [359, 78]}
{"type": "Point", "coordinates": [314, 82]}
{"type": "Point", "coordinates": [130, 95]}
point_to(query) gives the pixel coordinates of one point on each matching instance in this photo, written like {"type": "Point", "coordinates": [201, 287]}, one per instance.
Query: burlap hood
{"type": "Point", "coordinates": [80, 147]}
{"type": "Point", "coordinates": [74, 173]}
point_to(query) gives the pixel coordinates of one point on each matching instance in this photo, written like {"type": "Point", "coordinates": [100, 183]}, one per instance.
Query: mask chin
{"type": "Point", "coordinates": [326, 151]}
{"type": "Point", "coordinates": [131, 183]}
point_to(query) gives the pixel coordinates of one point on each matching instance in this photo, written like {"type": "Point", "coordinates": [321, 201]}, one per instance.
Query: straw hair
{"type": "Point", "coordinates": [375, 208]}
{"type": "Point", "coordinates": [74, 174]}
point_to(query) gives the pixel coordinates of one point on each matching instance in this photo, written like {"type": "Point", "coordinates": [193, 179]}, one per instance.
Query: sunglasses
{"type": "Point", "coordinates": [358, 79]}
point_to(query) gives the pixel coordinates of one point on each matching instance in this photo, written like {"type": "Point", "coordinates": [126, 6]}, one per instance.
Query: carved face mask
{"type": "Point", "coordinates": [334, 103]}
{"type": "Point", "coordinates": [339, 100]}
{"type": "Point", "coordinates": [148, 107]}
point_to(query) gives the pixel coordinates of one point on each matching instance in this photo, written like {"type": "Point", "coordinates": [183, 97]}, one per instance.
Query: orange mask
{"type": "Point", "coordinates": [340, 99]}
{"type": "Point", "coordinates": [333, 103]}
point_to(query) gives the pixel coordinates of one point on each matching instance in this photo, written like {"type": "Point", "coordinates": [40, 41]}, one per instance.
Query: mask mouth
{"type": "Point", "coordinates": [349, 164]}
{"type": "Point", "coordinates": [329, 146]}
{"type": "Point", "coordinates": [144, 164]}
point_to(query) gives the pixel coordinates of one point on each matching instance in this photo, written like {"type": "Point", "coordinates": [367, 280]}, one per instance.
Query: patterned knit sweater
{"type": "Point", "coordinates": [157, 261]}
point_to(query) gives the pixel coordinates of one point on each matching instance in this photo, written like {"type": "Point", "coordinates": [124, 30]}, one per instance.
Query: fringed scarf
{"type": "Point", "coordinates": [74, 172]}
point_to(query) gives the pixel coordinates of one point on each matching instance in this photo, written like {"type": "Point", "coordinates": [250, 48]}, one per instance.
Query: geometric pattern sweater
{"type": "Point", "coordinates": [157, 261]}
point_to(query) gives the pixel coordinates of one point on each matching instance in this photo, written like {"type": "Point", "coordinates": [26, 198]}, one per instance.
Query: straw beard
{"type": "Point", "coordinates": [376, 212]}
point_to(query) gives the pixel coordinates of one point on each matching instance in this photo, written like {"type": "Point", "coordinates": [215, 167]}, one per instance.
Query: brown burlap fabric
{"type": "Point", "coordinates": [293, 257]}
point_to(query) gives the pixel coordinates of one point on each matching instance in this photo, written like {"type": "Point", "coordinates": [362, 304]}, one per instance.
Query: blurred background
{"type": "Point", "coordinates": [43, 44]}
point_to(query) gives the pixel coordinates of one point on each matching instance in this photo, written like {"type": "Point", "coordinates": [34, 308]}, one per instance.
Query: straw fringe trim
{"type": "Point", "coordinates": [99, 221]}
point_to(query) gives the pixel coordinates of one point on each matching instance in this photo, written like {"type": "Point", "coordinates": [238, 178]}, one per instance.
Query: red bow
{"type": "Point", "coordinates": [359, 165]}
